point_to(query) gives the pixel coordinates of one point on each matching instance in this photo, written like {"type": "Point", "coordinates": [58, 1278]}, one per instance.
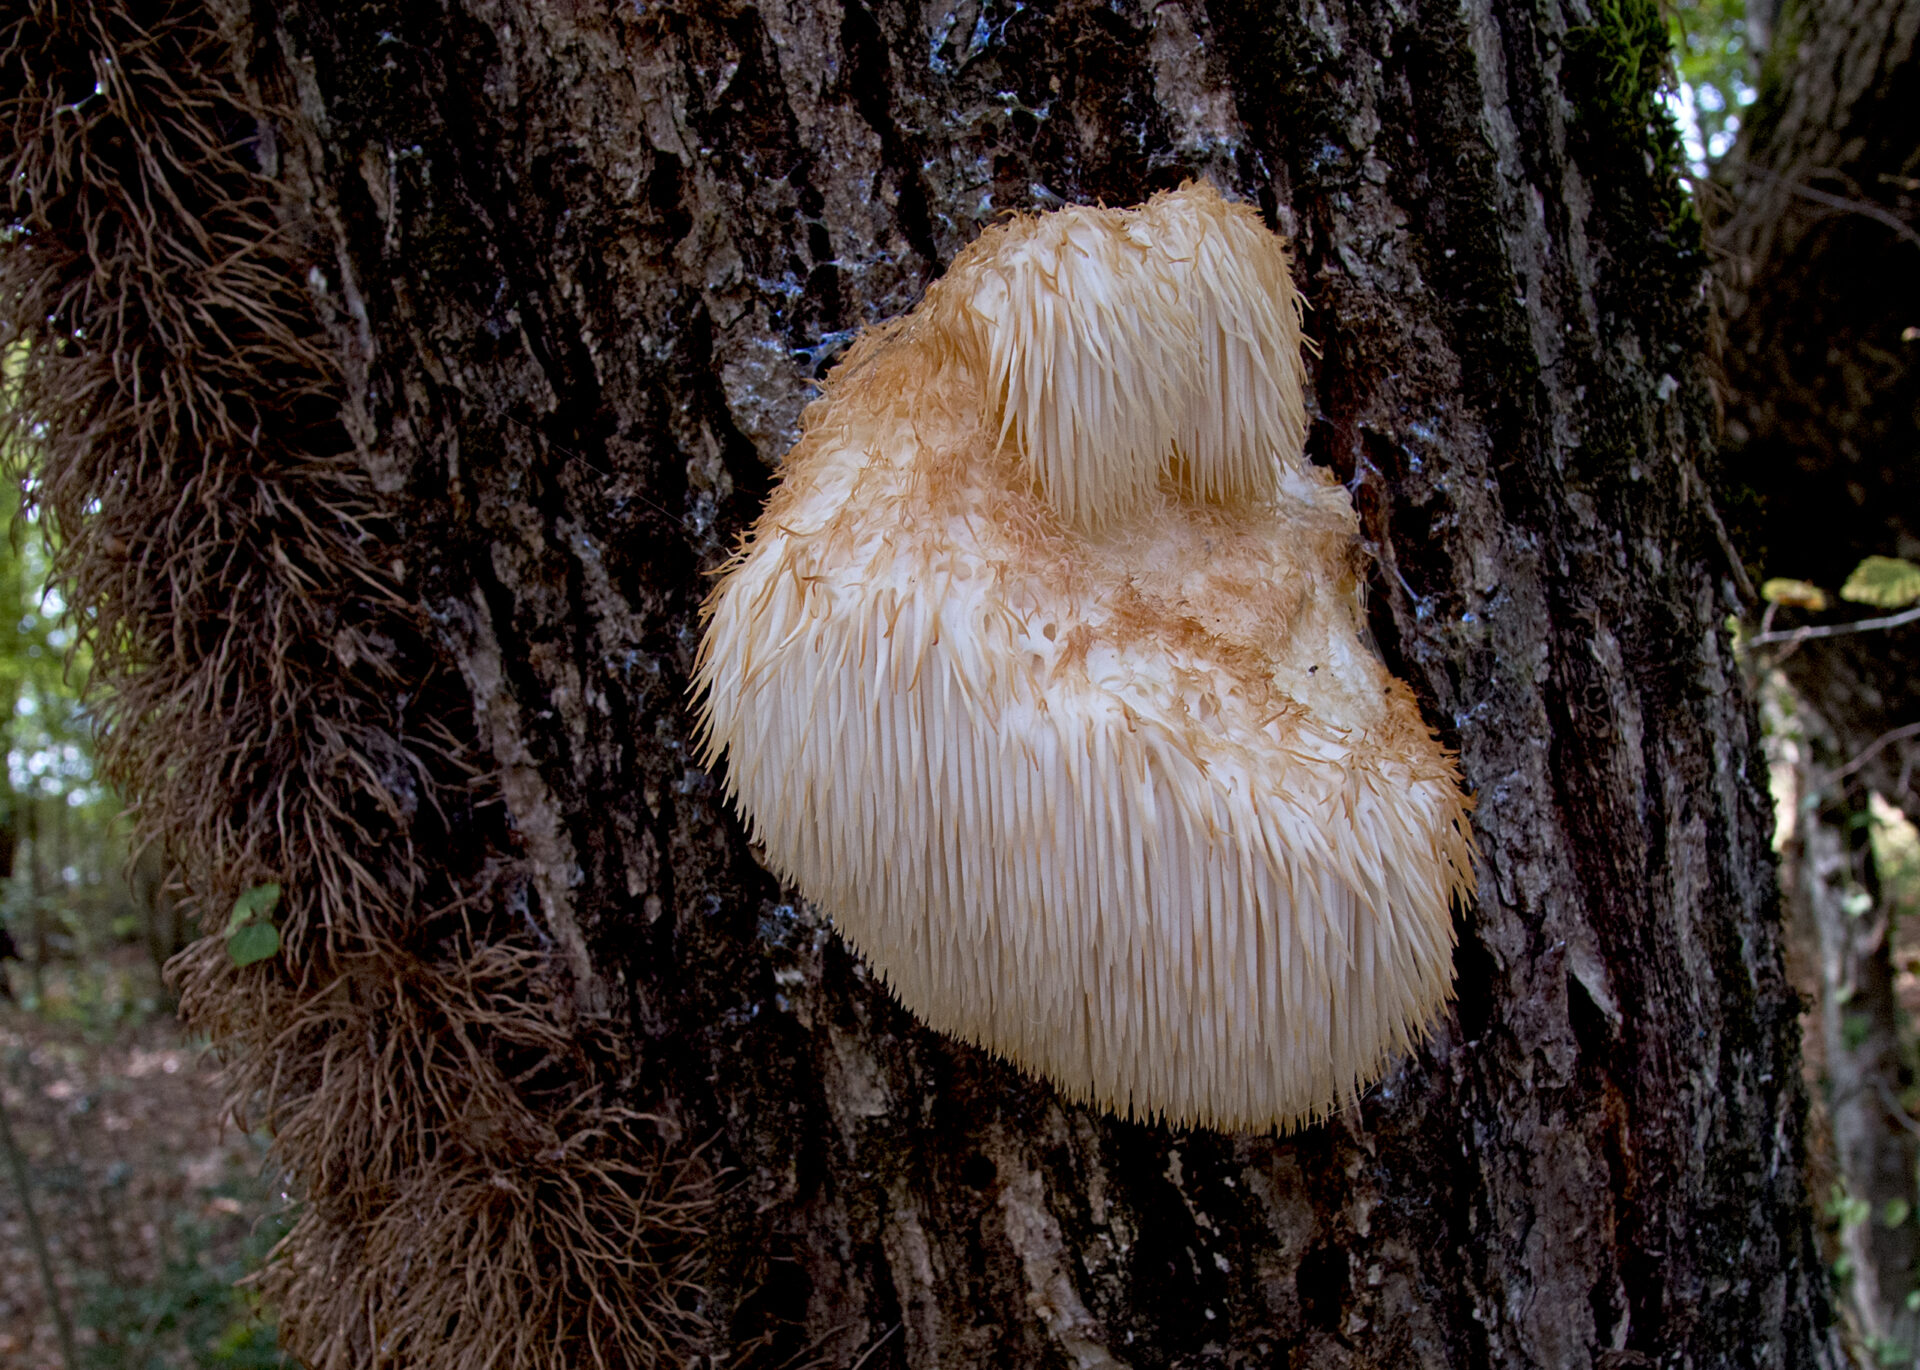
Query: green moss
{"type": "Point", "coordinates": [1617, 71]}
{"type": "Point", "coordinates": [1624, 54]}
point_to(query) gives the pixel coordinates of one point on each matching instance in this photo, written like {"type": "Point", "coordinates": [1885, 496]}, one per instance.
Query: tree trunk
{"type": "Point", "coordinates": [1833, 895]}
{"type": "Point", "coordinates": [581, 263]}
{"type": "Point", "coordinates": [1821, 264]}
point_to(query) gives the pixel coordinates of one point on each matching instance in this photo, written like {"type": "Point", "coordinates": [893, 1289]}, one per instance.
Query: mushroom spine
{"type": "Point", "coordinates": [1043, 673]}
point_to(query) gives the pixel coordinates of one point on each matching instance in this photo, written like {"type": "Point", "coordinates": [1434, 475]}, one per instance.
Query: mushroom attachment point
{"type": "Point", "coordinates": [1044, 674]}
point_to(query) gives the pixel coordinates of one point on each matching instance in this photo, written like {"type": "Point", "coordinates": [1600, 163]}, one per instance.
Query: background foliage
{"type": "Point", "coordinates": [1712, 58]}
{"type": "Point", "coordinates": [149, 1208]}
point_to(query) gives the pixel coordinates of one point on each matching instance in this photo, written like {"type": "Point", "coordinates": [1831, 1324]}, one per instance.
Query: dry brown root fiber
{"type": "Point", "coordinates": [271, 701]}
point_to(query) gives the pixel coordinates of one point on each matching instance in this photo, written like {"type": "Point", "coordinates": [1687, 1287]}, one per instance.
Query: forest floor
{"type": "Point", "coordinates": [151, 1204]}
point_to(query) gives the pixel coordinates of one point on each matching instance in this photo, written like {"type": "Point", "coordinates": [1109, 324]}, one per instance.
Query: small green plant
{"type": "Point", "coordinates": [1885, 582]}
{"type": "Point", "coordinates": [251, 933]}
{"type": "Point", "coordinates": [1843, 1210]}
{"type": "Point", "coordinates": [191, 1313]}
{"type": "Point", "coordinates": [1794, 594]}
{"type": "Point", "coordinates": [1890, 583]}
{"type": "Point", "coordinates": [1855, 1028]}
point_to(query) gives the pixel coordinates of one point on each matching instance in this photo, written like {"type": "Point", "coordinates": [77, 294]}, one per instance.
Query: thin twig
{"type": "Point", "coordinates": [1866, 208]}
{"type": "Point", "coordinates": [1894, 1111]}
{"type": "Point", "coordinates": [867, 1355]}
{"type": "Point", "coordinates": [1734, 562]}
{"type": "Point", "coordinates": [17, 1166]}
{"type": "Point", "coordinates": [1875, 747]}
{"type": "Point", "coordinates": [1861, 625]}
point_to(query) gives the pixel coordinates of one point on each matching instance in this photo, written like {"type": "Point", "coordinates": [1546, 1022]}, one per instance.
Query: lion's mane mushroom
{"type": "Point", "coordinates": [1043, 673]}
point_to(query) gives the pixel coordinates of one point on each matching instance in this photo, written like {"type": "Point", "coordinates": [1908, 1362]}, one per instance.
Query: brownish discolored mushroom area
{"type": "Point", "coordinates": [1044, 674]}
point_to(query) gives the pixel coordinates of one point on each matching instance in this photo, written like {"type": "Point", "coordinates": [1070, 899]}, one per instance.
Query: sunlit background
{"type": "Point", "coordinates": [1713, 79]}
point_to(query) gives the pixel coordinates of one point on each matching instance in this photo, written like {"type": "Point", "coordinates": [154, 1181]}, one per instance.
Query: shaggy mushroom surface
{"type": "Point", "coordinates": [1043, 673]}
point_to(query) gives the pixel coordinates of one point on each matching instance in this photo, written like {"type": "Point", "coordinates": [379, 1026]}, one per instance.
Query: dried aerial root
{"type": "Point", "coordinates": [277, 708]}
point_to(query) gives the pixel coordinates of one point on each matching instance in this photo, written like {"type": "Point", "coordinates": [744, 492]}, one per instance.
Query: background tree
{"type": "Point", "coordinates": [1823, 328]}
{"type": "Point", "coordinates": [1821, 266]}
{"type": "Point", "coordinates": [466, 340]}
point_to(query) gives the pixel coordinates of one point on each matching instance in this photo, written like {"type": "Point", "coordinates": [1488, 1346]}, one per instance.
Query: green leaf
{"type": "Point", "coordinates": [1855, 1028]}
{"type": "Point", "coordinates": [258, 902]}
{"type": "Point", "coordinates": [253, 942]}
{"type": "Point", "coordinates": [1846, 1210]}
{"type": "Point", "coordinates": [1887, 582]}
{"type": "Point", "coordinates": [1795, 594]}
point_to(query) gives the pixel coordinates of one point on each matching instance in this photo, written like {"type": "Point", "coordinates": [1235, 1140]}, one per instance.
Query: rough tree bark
{"type": "Point", "coordinates": [1821, 264]}
{"type": "Point", "coordinates": [582, 262]}
{"type": "Point", "coordinates": [1835, 904]}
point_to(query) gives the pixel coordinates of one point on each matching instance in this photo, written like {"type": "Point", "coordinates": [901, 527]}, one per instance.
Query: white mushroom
{"type": "Point", "coordinates": [1043, 673]}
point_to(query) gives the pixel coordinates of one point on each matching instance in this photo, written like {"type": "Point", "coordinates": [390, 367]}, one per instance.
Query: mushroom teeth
{"type": "Point", "coordinates": [1043, 672]}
